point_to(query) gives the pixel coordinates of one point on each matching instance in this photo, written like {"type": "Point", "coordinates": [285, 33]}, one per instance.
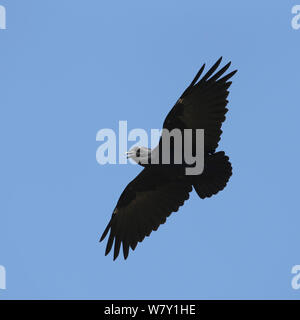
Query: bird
{"type": "Point", "coordinates": [160, 189]}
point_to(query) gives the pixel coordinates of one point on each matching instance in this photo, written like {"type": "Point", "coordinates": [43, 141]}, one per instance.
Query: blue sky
{"type": "Point", "coordinates": [71, 68]}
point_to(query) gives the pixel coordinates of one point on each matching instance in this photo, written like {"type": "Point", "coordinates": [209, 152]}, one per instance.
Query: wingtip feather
{"type": "Point", "coordinates": [117, 248]}
{"type": "Point", "coordinates": [105, 231]}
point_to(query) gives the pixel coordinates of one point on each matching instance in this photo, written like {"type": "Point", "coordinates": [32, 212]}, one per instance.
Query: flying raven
{"type": "Point", "coordinates": [160, 189]}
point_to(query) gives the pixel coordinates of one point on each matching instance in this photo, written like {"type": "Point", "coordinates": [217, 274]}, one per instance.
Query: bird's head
{"type": "Point", "coordinates": [139, 154]}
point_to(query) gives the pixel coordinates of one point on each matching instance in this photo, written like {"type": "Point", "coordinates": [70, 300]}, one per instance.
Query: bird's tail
{"type": "Point", "coordinates": [216, 174]}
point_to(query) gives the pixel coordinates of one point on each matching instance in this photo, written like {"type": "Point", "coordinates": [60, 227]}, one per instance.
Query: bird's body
{"type": "Point", "coordinates": [161, 188]}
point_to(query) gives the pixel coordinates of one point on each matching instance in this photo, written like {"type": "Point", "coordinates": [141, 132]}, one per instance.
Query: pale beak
{"type": "Point", "coordinates": [129, 154]}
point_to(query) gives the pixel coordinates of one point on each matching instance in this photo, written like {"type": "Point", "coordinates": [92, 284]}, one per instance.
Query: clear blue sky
{"type": "Point", "coordinates": [69, 68]}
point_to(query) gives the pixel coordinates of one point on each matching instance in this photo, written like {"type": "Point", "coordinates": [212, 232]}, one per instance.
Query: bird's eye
{"type": "Point", "coordinates": [138, 153]}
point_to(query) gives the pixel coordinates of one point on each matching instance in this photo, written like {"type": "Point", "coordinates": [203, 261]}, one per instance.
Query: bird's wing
{"type": "Point", "coordinates": [145, 203]}
{"type": "Point", "coordinates": [203, 105]}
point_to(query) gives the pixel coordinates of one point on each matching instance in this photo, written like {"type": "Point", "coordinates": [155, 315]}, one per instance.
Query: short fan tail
{"type": "Point", "coordinates": [216, 174]}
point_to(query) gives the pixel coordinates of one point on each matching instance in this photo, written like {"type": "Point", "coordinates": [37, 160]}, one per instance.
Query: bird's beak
{"type": "Point", "coordinates": [129, 154]}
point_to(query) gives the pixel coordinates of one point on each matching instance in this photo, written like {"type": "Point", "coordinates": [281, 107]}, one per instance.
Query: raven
{"type": "Point", "coordinates": [161, 189]}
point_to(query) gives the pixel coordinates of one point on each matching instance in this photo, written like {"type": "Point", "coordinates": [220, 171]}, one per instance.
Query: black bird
{"type": "Point", "coordinates": [160, 189]}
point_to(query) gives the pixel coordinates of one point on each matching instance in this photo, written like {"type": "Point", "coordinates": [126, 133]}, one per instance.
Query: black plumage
{"type": "Point", "coordinates": [159, 190]}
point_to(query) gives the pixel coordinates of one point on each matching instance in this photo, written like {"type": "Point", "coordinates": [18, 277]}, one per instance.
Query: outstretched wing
{"type": "Point", "coordinates": [203, 105]}
{"type": "Point", "coordinates": [145, 203]}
